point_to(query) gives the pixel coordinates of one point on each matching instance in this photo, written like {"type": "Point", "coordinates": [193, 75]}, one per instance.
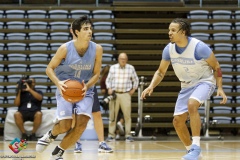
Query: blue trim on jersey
{"type": "Point", "coordinates": [202, 51]}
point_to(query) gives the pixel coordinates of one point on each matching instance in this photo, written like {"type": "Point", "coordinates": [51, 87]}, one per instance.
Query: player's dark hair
{"type": "Point", "coordinates": [77, 23]}
{"type": "Point", "coordinates": [183, 25]}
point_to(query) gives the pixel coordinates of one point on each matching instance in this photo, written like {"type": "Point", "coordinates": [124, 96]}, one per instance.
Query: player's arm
{"type": "Point", "coordinates": [157, 78]}
{"type": "Point", "coordinates": [54, 63]}
{"type": "Point", "coordinates": [159, 74]}
{"type": "Point", "coordinates": [97, 66]}
{"type": "Point", "coordinates": [212, 61]}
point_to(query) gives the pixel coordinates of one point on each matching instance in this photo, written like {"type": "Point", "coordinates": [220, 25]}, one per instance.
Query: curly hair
{"type": "Point", "coordinates": [184, 25]}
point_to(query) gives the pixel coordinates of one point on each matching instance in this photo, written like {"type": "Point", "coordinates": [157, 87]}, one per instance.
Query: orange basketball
{"type": "Point", "coordinates": [73, 91]}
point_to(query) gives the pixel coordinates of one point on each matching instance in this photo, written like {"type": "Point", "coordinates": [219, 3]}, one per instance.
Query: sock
{"type": "Point", "coordinates": [196, 140]}
{"type": "Point", "coordinates": [52, 136]}
{"type": "Point", "coordinates": [58, 151]}
{"type": "Point", "coordinates": [78, 140]}
{"type": "Point", "coordinates": [101, 142]}
{"type": "Point", "coordinates": [188, 147]}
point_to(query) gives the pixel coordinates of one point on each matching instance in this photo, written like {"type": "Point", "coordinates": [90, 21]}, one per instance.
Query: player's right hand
{"type": "Point", "coordinates": [148, 91]}
{"type": "Point", "coordinates": [61, 85]}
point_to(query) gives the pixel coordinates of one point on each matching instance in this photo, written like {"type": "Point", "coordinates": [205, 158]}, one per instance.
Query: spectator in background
{"type": "Point", "coordinates": [29, 103]}
{"type": "Point", "coordinates": [120, 123]}
{"type": "Point", "coordinates": [122, 81]}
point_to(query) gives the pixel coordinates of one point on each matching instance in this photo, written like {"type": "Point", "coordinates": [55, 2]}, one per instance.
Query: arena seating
{"type": "Point", "coordinates": [139, 31]}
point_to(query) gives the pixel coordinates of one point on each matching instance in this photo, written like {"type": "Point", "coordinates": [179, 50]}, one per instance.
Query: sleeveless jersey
{"type": "Point", "coordinates": [76, 67]}
{"type": "Point", "coordinates": [189, 70]}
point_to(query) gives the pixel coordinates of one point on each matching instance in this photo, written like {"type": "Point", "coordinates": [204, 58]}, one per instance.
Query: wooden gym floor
{"type": "Point", "coordinates": [163, 149]}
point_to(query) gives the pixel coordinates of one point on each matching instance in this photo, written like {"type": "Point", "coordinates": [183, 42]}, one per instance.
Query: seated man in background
{"type": "Point", "coordinates": [29, 103]}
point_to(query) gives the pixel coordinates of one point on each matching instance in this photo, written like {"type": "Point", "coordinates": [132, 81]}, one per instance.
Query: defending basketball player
{"type": "Point", "coordinates": [81, 60]}
{"type": "Point", "coordinates": [198, 70]}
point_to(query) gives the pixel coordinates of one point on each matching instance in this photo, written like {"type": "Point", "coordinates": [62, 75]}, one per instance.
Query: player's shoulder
{"type": "Point", "coordinates": [98, 46]}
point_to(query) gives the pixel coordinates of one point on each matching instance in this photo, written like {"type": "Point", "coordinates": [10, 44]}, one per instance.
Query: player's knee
{"type": "Point", "coordinates": [192, 108]}
{"type": "Point", "coordinates": [178, 121]}
{"type": "Point", "coordinates": [17, 115]}
{"type": "Point", "coordinates": [82, 121]}
{"type": "Point", "coordinates": [38, 114]}
{"type": "Point", "coordinates": [65, 125]}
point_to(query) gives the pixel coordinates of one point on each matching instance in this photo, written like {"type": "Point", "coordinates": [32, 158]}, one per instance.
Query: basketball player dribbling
{"type": "Point", "coordinates": [97, 119]}
{"type": "Point", "coordinates": [198, 70]}
{"type": "Point", "coordinates": [79, 59]}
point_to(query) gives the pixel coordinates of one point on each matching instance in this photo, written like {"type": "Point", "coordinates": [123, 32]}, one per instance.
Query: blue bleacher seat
{"type": "Point", "coordinates": [40, 78]}
{"type": "Point", "coordinates": [37, 25]}
{"type": "Point", "coordinates": [222, 26]}
{"type": "Point", "coordinates": [198, 14]}
{"type": "Point", "coordinates": [39, 57]}
{"type": "Point", "coordinates": [221, 14]}
{"type": "Point", "coordinates": [37, 67]}
{"type": "Point", "coordinates": [17, 67]}
{"type": "Point", "coordinates": [15, 13]}
{"type": "Point", "coordinates": [227, 67]}
{"type": "Point", "coordinates": [2, 68]}
{"type": "Point", "coordinates": [59, 25]}
{"type": "Point", "coordinates": [102, 14]}
{"type": "Point", "coordinates": [2, 78]}
{"type": "Point", "coordinates": [16, 36]}
{"type": "Point", "coordinates": [36, 14]}
{"type": "Point", "coordinates": [2, 46]}
{"type": "Point", "coordinates": [60, 36]}
{"type": "Point", "coordinates": [107, 46]}
{"type": "Point", "coordinates": [10, 99]}
{"type": "Point", "coordinates": [42, 88]}
{"type": "Point", "coordinates": [224, 57]}
{"type": "Point", "coordinates": [38, 46]}
{"type": "Point", "coordinates": [74, 14]}
{"type": "Point", "coordinates": [223, 46]}
{"type": "Point", "coordinates": [201, 36]}
{"type": "Point", "coordinates": [16, 57]}
{"type": "Point", "coordinates": [227, 78]}
{"type": "Point", "coordinates": [222, 119]}
{"type": "Point", "coordinates": [103, 36]}
{"type": "Point", "coordinates": [55, 46]}
{"type": "Point", "coordinates": [37, 36]}
{"type": "Point", "coordinates": [53, 88]}
{"type": "Point", "coordinates": [16, 46]}
{"type": "Point", "coordinates": [103, 25]}
{"type": "Point", "coordinates": [218, 99]}
{"type": "Point", "coordinates": [2, 14]}
{"type": "Point", "coordinates": [222, 109]}
{"type": "Point", "coordinates": [222, 36]}
{"type": "Point", "coordinates": [14, 78]}
{"type": "Point", "coordinates": [2, 36]}
{"type": "Point", "coordinates": [16, 25]}
{"type": "Point", "coordinates": [200, 25]}
{"type": "Point", "coordinates": [11, 88]}
{"type": "Point", "coordinates": [58, 14]}
{"type": "Point", "coordinates": [2, 89]}
{"type": "Point", "coordinates": [1, 25]}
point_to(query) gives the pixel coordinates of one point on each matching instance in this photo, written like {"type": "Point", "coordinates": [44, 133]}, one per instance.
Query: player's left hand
{"type": "Point", "coordinates": [221, 93]}
{"type": "Point", "coordinates": [85, 88]}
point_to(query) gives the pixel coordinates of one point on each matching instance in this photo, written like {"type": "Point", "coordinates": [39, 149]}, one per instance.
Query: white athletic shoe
{"type": "Point", "coordinates": [55, 157]}
{"type": "Point", "coordinates": [44, 142]}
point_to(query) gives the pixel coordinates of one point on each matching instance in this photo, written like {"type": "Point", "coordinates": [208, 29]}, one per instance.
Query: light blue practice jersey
{"type": "Point", "coordinates": [187, 68]}
{"type": "Point", "coordinates": [77, 67]}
